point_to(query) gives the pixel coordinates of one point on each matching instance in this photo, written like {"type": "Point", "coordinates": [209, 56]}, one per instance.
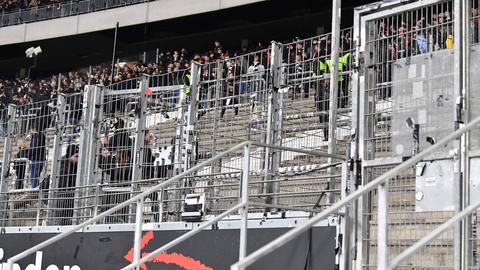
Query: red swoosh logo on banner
{"type": "Point", "coordinates": [174, 258]}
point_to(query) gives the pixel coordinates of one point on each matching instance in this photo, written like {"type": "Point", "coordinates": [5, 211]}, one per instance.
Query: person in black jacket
{"type": "Point", "coordinates": [121, 176]}
{"type": "Point", "coordinates": [36, 154]}
{"type": "Point", "coordinates": [231, 90]}
{"type": "Point", "coordinates": [66, 184]}
{"type": "Point", "coordinates": [148, 168]}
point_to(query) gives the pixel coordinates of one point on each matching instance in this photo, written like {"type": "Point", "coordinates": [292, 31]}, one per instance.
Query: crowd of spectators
{"type": "Point", "coordinates": [21, 91]}
{"type": "Point", "coordinates": [11, 5]}
{"type": "Point", "coordinates": [394, 38]}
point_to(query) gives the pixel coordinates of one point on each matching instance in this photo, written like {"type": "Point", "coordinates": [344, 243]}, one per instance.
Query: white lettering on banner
{"type": "Point", "coordinates": [37, 265]}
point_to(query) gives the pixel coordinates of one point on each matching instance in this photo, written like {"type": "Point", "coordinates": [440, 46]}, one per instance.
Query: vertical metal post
{"type": "Point", "coordinates": [90, 118]}
{"type": "Point", "coordinates": [89, 75]}
{"type": "Point", "coordinates": [57, 150]}
{"type": "Point", "coordinates": [458, 90]}
{"type": "Point", "coordinates": [6, 162]}
{"type": "Point", "coordinates": [382, 230]}
{"type": "Point", "coordinates": [244, 199]}
{"type": "Point", "coordinates": [345, 222]}
{"type": "Point", "coordinates": [216, 167]}
{"type": "Point", "coordinates": [114, 50]}
{"type": "Point", "coordinates": [218, 91]}
{"type": "Point", "coordinates": [191, 116]}
{"type": "Point", "coordinates": [468, 226]}
{"type": "Point", "coordinates": [358, 132]}
{"type": "Point", "coordinates": [266, 161]}
{"type": "Point", "coordinates": [93, 134]}
{"type": "Point", "coordinates": [138, 234]}
{"type": "Point", "coordinates": [84, 156]}
{"type": "Point", "coordinates": [6, 147]}
{"type": "Point", "coordinates": [178, 155]}
{"type": "Point", "coordinates": [332, 115]}
{"type": "Point", "coordinates": [160, 208]}
{"type": "Point", "coordinates": [98, 194]}
{"type": "Point", "coordinates": [137, 162]}
{"type": "Point", "coordinates": [157, 55]}
{"type": "Point", "coordinates": [178, 164]}
{"type": "Point", "coordinates": [274, 126]}
{"type": "Point", "coordinates": [39, 207]}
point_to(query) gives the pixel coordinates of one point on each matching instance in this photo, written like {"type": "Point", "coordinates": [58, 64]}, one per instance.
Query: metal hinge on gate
{"type": "Point", "coordinates": [358, 172]}
{"type": "Point", "coordinates": [360, 64]}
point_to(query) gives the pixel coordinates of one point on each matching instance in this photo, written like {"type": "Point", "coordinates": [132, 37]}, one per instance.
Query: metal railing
{"type": "Point", "coordinates": [60, 10]}
{"type": "Point", "coordinates": [138, 200]}
{"type": "Point", "coordinates": [382, 184]}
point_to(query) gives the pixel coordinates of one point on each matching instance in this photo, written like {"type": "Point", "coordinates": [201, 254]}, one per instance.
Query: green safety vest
{"type": "Point", "coordinates": [342, 63]}
{"type": "Point", "coordinates": [186, 83]}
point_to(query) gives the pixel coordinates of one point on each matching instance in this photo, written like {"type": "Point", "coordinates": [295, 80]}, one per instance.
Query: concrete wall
{"type": "Point", "coordinates": [101, 20]}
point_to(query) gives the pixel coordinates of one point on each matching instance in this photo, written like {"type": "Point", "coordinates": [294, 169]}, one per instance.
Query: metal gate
{"type": "Point", "coordinates": [406, 103]}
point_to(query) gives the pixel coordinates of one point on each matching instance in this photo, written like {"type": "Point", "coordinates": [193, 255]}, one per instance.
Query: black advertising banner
{"type": "Point", "coordinates": [208, 250]}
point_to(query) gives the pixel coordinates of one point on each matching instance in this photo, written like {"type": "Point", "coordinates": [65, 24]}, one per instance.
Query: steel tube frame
{"type": "Point", "coordinates": [57, 150]}
{"type": "Point", "coordinates": [84, 153]}
{"type": "Point", "coordinates": [333, 97]}
{"type": "Point", "coordinates": [6, 162]}
{"type": "Point", "coordinates": [76, 228]}
{"type": "Point", "coordinates": [458, 180]}
{"type": "Point", "coordinates": [185, 236]}
{"type": "Point", "coordinates": [466, 224]}
{"type": "Point", "coordinates": [244, 200]}
{"type": "Point", "coordinates": [160, 186]}
{"type": "Point", "coordinates": [139, 141]}
{"type": "Point", "coordinates": [308, 152]}
{"type": "Point", "coordinates": [282, 240]}
{"type": "Point", "coordinates": [137, 252]}
{"type": "Point", "coordinates": [412, 250]}
{"type": "Point", "coordinates": [382, 231]}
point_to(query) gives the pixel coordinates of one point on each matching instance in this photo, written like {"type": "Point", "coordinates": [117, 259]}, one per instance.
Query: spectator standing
{"type": "Point", "coordinates": [20, 163]}
{"type": "Point", "coordinates": [148, 168]}
{"type": "Point", "coordinates": [36, 154]}
{"type": "Point", "coordinates": [256, 72]}
{"type": "Point", "coordinates": [232, 89]}
{"type": "Point", "coordinates": [66, 185]}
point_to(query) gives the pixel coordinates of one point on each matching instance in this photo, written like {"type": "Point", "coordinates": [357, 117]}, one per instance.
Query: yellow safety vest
{"type": "Point", "coordinates": [342, 63]}
{"type": "Point", "coordinates": [186, 83]}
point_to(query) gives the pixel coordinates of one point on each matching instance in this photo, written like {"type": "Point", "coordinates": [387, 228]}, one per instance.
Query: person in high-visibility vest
{"type": "Point", "coordinates": [187, 79]}
{"type": "Point", "coordinates": [343, 65]}
{"type": "Point", "coordinates": [323, 86]}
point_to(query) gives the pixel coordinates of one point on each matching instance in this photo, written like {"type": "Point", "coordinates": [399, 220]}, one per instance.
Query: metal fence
{"type": "Point", "coordinates": [399, 92]}
{"type": "Point", "coordinates": [106, 144]}
{"type": "Point", "coordinates": [407, 100]}
{"type": "Point", "coordinates": [60, 10]}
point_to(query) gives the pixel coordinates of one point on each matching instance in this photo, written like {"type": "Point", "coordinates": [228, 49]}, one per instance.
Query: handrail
{"type": "Point", "coordinates": [184, 237]}
{"type": "Point", "coordinates": [53, 11]}
{"type": "Point", "coordinates": [142, 195]}
{"type": "Point", "coordinates": [134, 199]}
{"type": "Point", "coordinates": [280, 241]}
{"type": "Point", "coordinates": [432, 235]}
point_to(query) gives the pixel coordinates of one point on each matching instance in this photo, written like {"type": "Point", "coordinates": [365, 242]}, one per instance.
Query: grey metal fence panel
{"type": "Point", "coordinates": [408, 70]}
